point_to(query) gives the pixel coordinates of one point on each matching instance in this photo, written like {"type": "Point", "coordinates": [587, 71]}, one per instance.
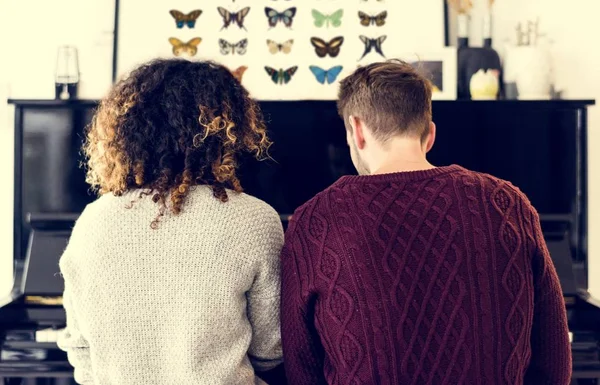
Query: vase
{"type": "Point", "coordinates": [471, 60]}
{"type": "Point", "coordinates": [531, 68]}
{"type": "Point", "coordinates": [484, 85]}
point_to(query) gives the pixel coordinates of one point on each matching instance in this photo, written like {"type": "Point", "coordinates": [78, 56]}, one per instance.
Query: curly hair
{"type": "Point", "coordinates": [170, 125]}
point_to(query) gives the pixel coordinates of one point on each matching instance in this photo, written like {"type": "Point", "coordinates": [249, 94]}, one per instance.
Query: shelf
{"type": "Point", "coordinates": [545, 104]}
{"type": "Point", "coordinates": [51, 103]}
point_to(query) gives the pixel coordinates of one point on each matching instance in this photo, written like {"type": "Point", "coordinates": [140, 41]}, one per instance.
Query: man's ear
{"type": "Point", "coordinates": [358, 131]}
{"type": "Point", "coordinates": [430, 140]}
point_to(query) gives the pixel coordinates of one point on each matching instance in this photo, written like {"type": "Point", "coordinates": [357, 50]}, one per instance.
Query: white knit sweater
{"type": "Point", "coordinates": [194, 302]}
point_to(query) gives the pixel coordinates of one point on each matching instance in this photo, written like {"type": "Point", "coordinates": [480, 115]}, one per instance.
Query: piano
{"type": "Point", "coordinates": [32, 315]}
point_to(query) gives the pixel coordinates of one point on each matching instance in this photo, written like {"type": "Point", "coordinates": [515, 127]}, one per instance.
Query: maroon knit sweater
{"type": "Point", "coordinates": [428, 277]}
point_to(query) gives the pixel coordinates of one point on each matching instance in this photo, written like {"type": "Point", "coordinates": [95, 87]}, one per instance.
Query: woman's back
{"type": "Point", "coordinates": [182, 304]}
{"type": "Point", "coordinates": [172, 276]}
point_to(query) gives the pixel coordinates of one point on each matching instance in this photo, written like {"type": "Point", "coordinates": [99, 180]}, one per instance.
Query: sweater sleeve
{"type": "Point", "coordinates": [72, 339]}
{"type": "Point", "coordinates": [263, 300]}
{"type": "Point", "coordinates": [551, 351]}
{"type": "Point", "coordinates": [302, 349]}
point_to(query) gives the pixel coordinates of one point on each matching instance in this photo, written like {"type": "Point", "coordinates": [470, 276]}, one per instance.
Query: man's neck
{"type": "Point", "coordinates": [403, 166]}
{"type": "Point", "coordinates": [401, 155]}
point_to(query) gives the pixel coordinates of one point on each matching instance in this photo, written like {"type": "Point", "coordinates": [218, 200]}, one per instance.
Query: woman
{"type": "Point", "coordinates": [172, 275]}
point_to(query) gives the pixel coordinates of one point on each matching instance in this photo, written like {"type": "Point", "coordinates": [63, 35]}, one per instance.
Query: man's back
{"type": "Point", "coordinates": [428, 277]}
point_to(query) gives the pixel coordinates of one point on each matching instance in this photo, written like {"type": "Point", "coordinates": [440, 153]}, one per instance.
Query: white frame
{"type": "Point", "coordinates": [448, 56]}
{"type": "Point", "coordinates": [143, 36]}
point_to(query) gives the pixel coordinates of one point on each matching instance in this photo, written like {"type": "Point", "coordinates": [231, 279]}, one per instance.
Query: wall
{"type": "Point", "coordinates": [572, 30]}
{"type": "Point", "coordinates": [30, 33]}
{"type": "Point", "coordinates": [6, 160]}
{"type": "Point", "coordinates": [31, 44]}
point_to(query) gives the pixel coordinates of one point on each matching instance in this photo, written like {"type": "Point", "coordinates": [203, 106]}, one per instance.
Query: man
{"type": "Point", "coordinates": [415, 274]}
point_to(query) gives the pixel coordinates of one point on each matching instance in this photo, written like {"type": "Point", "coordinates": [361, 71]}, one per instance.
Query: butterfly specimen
{"type": "Point", "coordinates": [328, 76]}
{"type": "Point", "coordinates": [285, 47]}
{"type": "Point", "coordinates": [233, 17]}
{"type": "Point", "coordinates": [323, 48]}
{"type": "Point", "coordinates": [182, 19]}
{"type": "Point", "coordinates": [238, 73]}
{"type": "Point", "coordinates": [232, 48]}
{"type": "Point", "coordinates": [185, 49]}
{"type": "Point", "coordinates": [378, 20]}
{"type": "Point", "coordinates": [280, 76]}
{"type": "Point", "coordinates": [371, 44]}
{"type": "Point", "coordinates": [334, 19]}
{"type": "Point", "coordinates": [286, 17]}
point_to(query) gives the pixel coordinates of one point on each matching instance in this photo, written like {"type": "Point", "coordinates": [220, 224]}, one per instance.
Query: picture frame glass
{"type": "Point", "coordinates": [288, 50]}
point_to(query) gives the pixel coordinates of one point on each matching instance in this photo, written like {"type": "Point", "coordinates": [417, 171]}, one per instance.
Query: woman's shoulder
{"type": "Point", "coordinates": [257, 212]}
{"type": "Point", "coordinates": [103, 208]}
{"type": "Point", "coordinates": [240, 205]}
{"type": "Point", "coordinates": [262, 224]}
{"type": "Point", "coordinates": [249, 202]}
{"type": "Point", "coordinates": [243, 216]}
{"type": "Point", "coordinates": [241, 209]}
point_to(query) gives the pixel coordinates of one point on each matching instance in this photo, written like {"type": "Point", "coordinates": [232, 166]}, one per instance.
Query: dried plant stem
{"type": "Point", "coordinates": [461, 6]}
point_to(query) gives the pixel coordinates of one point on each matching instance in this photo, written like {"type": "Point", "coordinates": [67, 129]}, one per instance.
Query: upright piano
{"type": "Point", "coordinates": [539, 146]}
{"type": "Point", "coordinates": [32, 316]}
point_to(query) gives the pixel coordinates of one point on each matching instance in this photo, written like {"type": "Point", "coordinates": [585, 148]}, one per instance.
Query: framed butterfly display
{"type": "Point", "coordinates": [279, 49]}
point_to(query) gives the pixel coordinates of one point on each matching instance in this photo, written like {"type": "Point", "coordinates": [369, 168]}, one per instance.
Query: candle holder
{"type": "Point", "coordinates": [471, 60]}
{"type": "Point", "coordinates": [66, 79]}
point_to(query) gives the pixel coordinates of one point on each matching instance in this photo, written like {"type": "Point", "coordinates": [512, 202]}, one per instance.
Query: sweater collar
{"type": "Point", "coordinates": [405, 176]}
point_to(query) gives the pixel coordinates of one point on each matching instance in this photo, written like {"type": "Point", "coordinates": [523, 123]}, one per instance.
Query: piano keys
{"type": "Point", "coordinates": [33, 317]}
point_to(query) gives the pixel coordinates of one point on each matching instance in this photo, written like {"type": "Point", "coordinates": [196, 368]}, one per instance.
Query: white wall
{"type": "Point", "coordinates": [30, 33]}
{"type": "Point", "coordinates": [6, 193]}
{"type": "Point", "coordinates": [29, 46]}
{"type": "Point", "coordinates": [6, 167]}
{"type": "Point", "coordinates": [573, 29]}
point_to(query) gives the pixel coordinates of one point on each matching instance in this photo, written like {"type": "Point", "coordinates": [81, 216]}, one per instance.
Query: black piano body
{"type": "Point", "coordinates": [32, 315]}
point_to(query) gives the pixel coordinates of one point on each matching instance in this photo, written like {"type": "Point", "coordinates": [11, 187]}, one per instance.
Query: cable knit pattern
{"type": "Point", "coordinates": [194, 302]}
{"type": "Point", "coordinates": [432, 277]}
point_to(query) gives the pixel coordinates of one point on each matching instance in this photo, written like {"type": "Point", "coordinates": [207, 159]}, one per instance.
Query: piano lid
{"type": "Point", "coordinates": [50, 234]}
{"type": "Point", "coordinates": [47, 242]}
{"type": "Point", "coordinates": [561, 256]}
{"type": "Point", "coordinates": [556, 234]}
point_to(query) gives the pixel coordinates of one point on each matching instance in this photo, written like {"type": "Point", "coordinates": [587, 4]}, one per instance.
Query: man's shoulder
{"type": "Point", "coordinates": [316, 205]}
{"type": "Point", "coordinates": [493, 186]}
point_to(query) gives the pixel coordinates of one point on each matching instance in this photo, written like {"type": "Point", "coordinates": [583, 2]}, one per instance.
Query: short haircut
{"type": "Point", "coordinates": [391, 97]}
